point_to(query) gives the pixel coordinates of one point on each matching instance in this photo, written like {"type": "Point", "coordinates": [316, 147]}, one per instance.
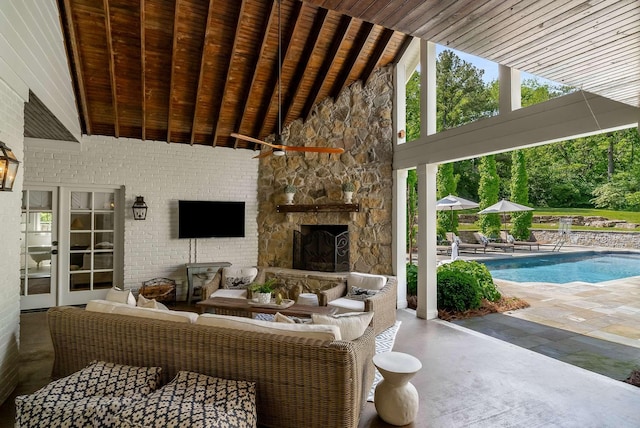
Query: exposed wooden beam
{"type": "Point", "coordinates": [310, 47]}
{"type": "Point", "coordinates": [273, 16]}
{"type": "Point", "coordinates": [112, 68]}
{"type": "Point", "coordinates": [356, 50]}
{"type": "Point", "coordinates": [403, 48]}
{"type": "Point", "coordinates": [286, 44]}
{"type": "Point", "coordinates": [172, 83]}
{"type": "Point", "coordinates": [381, 46]}
{"type": "Point", "coordinates": [81, 92]}
{"type": "Point", "coordinates": [207, 36]}
{"type": "Point", "coordinates": [236, 39]}
{"type": "Point", "coordinates": [143, 79]}
{"type": "Point", "coordinates": [338, 39]}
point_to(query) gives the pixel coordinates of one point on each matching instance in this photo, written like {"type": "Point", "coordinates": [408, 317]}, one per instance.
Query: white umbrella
{"type": "Point", "coordinates": [505, 206]}
{"type": "Point", "coordinates": [453, 202]}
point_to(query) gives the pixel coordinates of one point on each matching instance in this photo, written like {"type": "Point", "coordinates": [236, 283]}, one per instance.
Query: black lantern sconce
{"type": "Point", "coordinates": [139, 208]}
{"type": "Point", "coordinates": [8, 168]}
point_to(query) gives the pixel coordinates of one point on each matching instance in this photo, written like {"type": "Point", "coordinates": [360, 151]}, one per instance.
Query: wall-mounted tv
{"type": "Point", "coordinates": [210, 219]}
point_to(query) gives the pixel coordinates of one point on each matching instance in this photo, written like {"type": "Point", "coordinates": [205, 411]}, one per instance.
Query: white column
{"type": "Point", "coordinates": [428, 88]}
{"type": "Point", "coordinates": [510, 97]}
{"type": "Point", "coordinates": [399, 227]}
{"type": "Point", "coordinates": [427, 261]}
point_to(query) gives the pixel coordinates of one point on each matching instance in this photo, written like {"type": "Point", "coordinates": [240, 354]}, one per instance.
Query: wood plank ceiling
{"type": "Point", "coordinates": [193, 71]}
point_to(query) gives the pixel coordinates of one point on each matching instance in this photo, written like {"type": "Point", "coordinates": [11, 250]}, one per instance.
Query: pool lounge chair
{"type": "Point", "coordinates": [466, 246]}
{"type": "Point", "coordinates": [519, 244]}
{"type": "Point", "coordinates": [503, 246]}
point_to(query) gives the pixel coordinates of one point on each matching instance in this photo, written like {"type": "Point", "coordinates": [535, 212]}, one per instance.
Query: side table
{"type": "Point", "coordinates": [395, 398]}
{"type": "Point", "coordinates": [196, 268]}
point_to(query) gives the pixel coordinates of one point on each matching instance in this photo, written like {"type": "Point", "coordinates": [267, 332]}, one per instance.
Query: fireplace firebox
{"type": "Point", "coordinates": [323, 248]}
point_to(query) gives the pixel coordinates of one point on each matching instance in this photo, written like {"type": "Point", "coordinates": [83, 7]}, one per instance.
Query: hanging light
{"type": "Point", "coordinates": [139, 209]}
{"type": "Point", "coordinates": [8, 168]}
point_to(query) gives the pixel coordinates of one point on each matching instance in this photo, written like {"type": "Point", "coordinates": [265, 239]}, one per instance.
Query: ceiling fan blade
{"type": "Point", "coordinates": [252, 140]}
{"type": "Point", "coordinates": [263, 154]}
{"type": "Point", "coordinates": [312, 149]}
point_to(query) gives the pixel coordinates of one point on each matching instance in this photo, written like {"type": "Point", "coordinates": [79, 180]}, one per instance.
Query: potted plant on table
{"type": "Point", "coordinates": [262, 291]}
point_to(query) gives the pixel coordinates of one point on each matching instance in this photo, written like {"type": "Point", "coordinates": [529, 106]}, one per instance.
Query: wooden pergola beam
{"type": "Point", "coordinates": [381, 46]}
{"type": "Point", "coordinates": [112, 68]}
{"type": "Point", "coordinates": [207, 35]}
{"type": "Point", "coordinates": [358, 46]}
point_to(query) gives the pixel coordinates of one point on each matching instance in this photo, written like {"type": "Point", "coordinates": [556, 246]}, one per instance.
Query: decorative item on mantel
{"type": "Point", "coordinates": [348, 188]}
{"type": "Point", "coordinates": [289, 191]}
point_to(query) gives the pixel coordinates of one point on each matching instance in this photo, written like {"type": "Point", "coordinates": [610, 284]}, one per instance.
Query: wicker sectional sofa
{"type": "Point", "coordinates": [299, 381]}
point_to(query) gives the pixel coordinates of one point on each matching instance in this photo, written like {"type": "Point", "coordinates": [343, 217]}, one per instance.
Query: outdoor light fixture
{"type": "Point", "coordinates": [8, 168]}
{"type": "Point", "coordinates": [139, 208]}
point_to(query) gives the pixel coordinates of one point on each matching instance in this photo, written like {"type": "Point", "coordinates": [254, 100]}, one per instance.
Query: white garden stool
{"type": "Point", "coordinates": [396, 399]}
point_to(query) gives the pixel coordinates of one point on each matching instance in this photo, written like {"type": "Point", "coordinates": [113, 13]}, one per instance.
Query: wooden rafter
{"type": "Point", "coordinates": [356, 50]}
{"type": "Point", "coordinates": [236, 39]}
{"type": "Point", "coordinates": [112, 67]}
{"type": "Point", "coordinates": [379, 50]}
{"type": "Point", "coordinates": [273, 16]}
{"type": "Point", "coordinates": [406, 41]}
{"type": "Point", "coordinates": [143, 79]}
{"type": "Point", "coordinates": [310, 47]}
{"type": "Point", "coordinates": [207, 35]}
{"type": "Point", "coordinates": [172, 83]}
{"type": "Point", "coordinates": [341, 33]}
{"type": "Point", "coordinates": [286, 44]}
{"type": "Point", "coordinates": [77, 64]}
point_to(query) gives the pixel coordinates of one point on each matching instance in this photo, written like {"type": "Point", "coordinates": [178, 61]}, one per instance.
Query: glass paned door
{"type": "Point", "coordinates": [90, 243]}
{"type": "Point", "coordinates": [38, 249]}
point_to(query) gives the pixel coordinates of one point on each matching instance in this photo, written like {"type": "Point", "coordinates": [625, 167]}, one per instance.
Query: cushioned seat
{"type": "Point", "coordinates": [344, 305]}
{"type": "Point", "coordinates": [236, 294]}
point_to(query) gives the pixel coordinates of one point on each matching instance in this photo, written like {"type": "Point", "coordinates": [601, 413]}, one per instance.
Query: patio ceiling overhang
{"type": "Point", "coordinates": [193, 71]}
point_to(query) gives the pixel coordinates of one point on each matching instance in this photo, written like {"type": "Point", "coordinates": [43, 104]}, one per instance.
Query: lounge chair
{"type": "Point", "coordinates": [519, 244]}
{"type": "Point", "coordinates": [504, 246]}
{"type": "Point", "coordinates": [466, 246]}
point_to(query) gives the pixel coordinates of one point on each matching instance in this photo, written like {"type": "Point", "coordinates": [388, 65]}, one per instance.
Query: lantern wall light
{"type": "Point", "coordinates": [139, 209]}
{"type": "Point", "coordinates": [8, 168]}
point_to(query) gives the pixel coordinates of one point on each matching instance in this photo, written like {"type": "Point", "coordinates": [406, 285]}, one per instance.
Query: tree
{"type": "Point", "coordinates": [520, 221]}
{"type": "Point", "coordinates": [446, 185]}
{"type": "Point", "coordinates": [412, 212]}
{"type": "Point", "coordinates": [488, 192]}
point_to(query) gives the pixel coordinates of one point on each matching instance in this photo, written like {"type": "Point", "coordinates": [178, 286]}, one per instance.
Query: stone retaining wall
{"type": "Point", "coordinates": [608, 239]}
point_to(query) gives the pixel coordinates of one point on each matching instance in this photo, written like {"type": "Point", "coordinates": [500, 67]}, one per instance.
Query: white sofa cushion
{"type": "Point", "coordinates": [237, 277]}
{"type": "Point", "coordinates": [123, 309]}
{"type": "Point", "coordinates": [344, 305]}
{"type": "Point", "coordinates": [121, 296]}
{"type": "Point", "coordinates": [309, 331]}
{"type": "Point", "coordinates": [352, 325]}
{"type": "Point", "coordinates": [238, 293]}
{"type": "Point", "coordinates": [143, 302]}
{"type": "Point", "coordinates": [366, 280]}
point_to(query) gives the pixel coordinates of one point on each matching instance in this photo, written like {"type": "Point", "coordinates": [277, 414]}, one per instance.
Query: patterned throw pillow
{"type": "Point", "coordinates": [237, 282]}
{"type": "Point", "coordinates": [195, 400]}
{"type": "Point", "coordinates": [88, 395]}
{"type": "Point", "coordinates": [357, 293]}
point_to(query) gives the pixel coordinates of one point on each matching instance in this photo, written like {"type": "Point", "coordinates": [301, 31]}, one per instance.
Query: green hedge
{"type": "Point", "coordinates": [479, 272]}
{"type": "Point", "coordinates": [457, 291]}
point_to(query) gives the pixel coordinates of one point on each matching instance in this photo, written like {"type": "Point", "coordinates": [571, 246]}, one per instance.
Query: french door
{"type": "Point", "coordinates": [75, 257]}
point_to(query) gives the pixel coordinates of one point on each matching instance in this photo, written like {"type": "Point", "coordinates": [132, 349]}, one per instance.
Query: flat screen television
{"type": "Point", "coordinates": [210, 219]}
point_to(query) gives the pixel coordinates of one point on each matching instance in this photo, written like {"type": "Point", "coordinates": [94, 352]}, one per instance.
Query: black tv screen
{"type": "Point", "coordinates": [210, 219]}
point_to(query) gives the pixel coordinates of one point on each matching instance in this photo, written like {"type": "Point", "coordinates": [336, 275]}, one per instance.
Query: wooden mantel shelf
{"type": "Point", "coordinates": [318, 208]}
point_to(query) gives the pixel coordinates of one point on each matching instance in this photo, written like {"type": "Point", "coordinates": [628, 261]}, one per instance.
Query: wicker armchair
{"type": "Point", "coordinates": [212, 286]}
{"type": "Point", "coordinates": [383, 303]}
{"type": "Point", "coordinates": [160, 289]}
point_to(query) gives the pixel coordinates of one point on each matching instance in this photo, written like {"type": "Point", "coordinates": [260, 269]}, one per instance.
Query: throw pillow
{"type": "Point", "coordinates": [511, 239]}
{"type": "Point", "coordinates": [143, 302]}
{"type": "Point", "coordinates": [278, 317]}
{"type": "Point", "coordinates": [237, 278]}
{"type": "Point", "coordinates": [121, 296]}
{"type": "Point", "coordinates": [352, 324]}
{"type": "Point", "coordinates": [357, 293]}
{"type": "Point", "coordinates": [193, 399]}
{"type": "Point", "coordinates": [484, 240]}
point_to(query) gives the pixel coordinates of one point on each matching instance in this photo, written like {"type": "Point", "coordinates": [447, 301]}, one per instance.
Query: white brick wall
{"type": "Point", "coordinates": [162, 173]}
{"type": "Point", "coordinates": [11, 133]}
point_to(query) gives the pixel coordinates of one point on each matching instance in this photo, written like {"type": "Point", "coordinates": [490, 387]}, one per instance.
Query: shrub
{"type": "Point", "coordinates": [481, 275]}
{"type": "Point", "coordinates": [412, 279]}
{"type": "Point", "coordinates": [457, 290]}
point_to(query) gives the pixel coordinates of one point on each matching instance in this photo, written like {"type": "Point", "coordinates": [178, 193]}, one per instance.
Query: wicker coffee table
{"type": "Point", "coordinates": [241, 308]}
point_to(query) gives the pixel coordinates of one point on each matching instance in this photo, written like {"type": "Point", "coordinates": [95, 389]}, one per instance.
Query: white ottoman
{"type": "Point", "coordinates": [396, 399]}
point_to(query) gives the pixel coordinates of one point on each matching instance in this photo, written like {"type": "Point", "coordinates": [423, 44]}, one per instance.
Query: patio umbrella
{"type": "Point", "coordinates": [453, 202]}
{"type": "Point", "coordinates": [503, 207]}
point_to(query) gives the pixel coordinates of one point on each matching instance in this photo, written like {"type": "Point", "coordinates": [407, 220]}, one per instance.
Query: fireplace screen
{"type": "Point", "coordinates": [322, 248]}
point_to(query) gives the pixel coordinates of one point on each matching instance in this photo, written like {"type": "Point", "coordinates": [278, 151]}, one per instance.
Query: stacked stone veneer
{"type": "Point", "coordinates": [359, 120]}
{"type": "Point", "coordinates": [629, 240]}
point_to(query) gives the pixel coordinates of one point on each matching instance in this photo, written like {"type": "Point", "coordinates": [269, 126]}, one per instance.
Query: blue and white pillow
{"type": "Point", "coordinates": [357, 293]}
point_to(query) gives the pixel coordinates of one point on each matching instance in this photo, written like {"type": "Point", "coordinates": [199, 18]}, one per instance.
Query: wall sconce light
{"type": "Point", "coordinates": [8, 168]}
{"type": "Point", "coordinates": [139, 209]}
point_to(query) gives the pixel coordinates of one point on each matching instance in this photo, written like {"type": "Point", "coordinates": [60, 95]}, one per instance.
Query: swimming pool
{"type": "Point", "coordinates": [591, 267]}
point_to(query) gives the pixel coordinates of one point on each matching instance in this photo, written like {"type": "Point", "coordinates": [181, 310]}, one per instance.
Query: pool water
{"type": "Point", "coordinates": [591, 267]}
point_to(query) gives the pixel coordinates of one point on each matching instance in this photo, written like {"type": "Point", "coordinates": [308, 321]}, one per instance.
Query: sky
{"type": "Point", "coordinates": [490, 68]}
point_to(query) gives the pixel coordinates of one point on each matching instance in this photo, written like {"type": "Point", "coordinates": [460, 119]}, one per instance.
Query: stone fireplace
{"type": "Point", "coordinates": [323, 247]}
